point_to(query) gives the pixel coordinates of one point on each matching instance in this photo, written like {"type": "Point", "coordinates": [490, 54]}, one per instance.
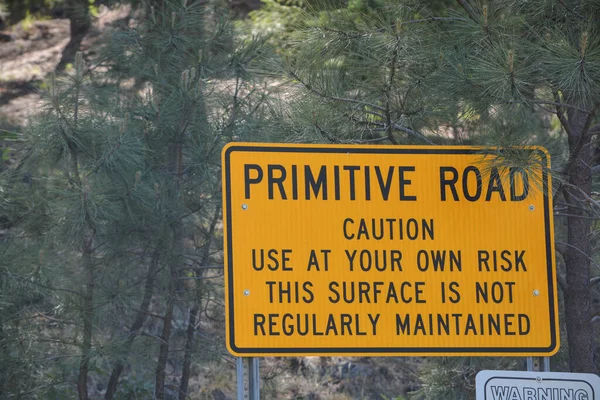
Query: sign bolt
{"type": "Point", "coordinates": [531, 207]}
{"type": "Point", "coordinates": [536, 292]}
{"type": "Point", "coordinates": [538, 379]}
{"type": "Point", "coordinates": [244, 206]}
{"type": "Point", "coordinates": [246, 292]}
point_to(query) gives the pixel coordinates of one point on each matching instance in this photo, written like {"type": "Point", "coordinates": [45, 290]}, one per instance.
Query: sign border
{"type": "Point", "coordinates": [484, 377]}
{"type": "Point", "coordinates": [381, 351]}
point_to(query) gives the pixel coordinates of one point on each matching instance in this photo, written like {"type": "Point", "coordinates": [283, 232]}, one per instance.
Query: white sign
{"type": "Point", "coordinates": [523, 385]}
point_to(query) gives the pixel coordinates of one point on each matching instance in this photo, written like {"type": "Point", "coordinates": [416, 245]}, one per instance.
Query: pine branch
{"type": "Point", "coordinates": [324, 133]}
{"type": "Point", "coordinates": [375, 113]}
{"type": "Point", "coordinates": [374, 140]}
{"type": "Point", "coordinates": [561, 114]}
{"type": "Point", "coordinates": [199, 267]}
{"type": "Point", "coordinates": [550, 103]}
{"type": "Point", "coordinates": [571, 10]}
{"type": "Point", "coordinates": [567, 206]}
{"type": "Point", "coordinates": [444, 19]}
{"type": "Point", "coordinates": [348, 35]}
{"type": "Point", "coordinates": [590, 118]}
{"type": "Point", "coordinates": [586, 197]}
{"type": "Point", "coordinates": [413, 133]}
{"type": "Point", "coordinates": [401, 128]}
{"type": "Point", "coordinates": [388, 117]}
{"type": "Point", "coordinates": [41, 285]}
{"type": "Point", "coordinates": [582, 252]}
{"type": "Point", "coordinates": [557, 214]}
{"type": "Point", "coordinates": [342, 99]}
{"type": "Point", "coordinates": [214, 277]}
{"type": "Point", "coordinates": [360, 35]}
{"type": "Point", "coordinates": [581, 140]}
{"type": "Point", "coordinates": [469, 10]}
{"type": "Point", "coordinates": [363, 103]}
{"type": "Point", "coordinates": [45, 386]}
{"type": "Point", "coordinates": [104, 159]}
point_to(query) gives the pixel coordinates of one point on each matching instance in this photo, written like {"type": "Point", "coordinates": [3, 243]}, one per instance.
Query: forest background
{"type": "Point", "coordinates": [113, 118]}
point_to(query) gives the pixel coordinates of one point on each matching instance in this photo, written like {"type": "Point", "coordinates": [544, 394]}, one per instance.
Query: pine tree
{"type": "Point", "coordinates": [79, 157]}
{"type": "Point", "coordinates": [507, 73]}
{"type": "Point", "coordinates": [122, 210]}
{"type": "Point", "coordinates": [197, 98]}
{"type": "Point", "coordinates": [544, 56]}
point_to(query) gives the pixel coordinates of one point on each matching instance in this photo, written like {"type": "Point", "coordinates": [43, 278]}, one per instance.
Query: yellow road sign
{"type": "Point", "coordinates": [388, 250]}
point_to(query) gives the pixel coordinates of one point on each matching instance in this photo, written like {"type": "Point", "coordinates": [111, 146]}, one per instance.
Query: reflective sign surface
{"type": "Point", "coordinates": [388, 250]}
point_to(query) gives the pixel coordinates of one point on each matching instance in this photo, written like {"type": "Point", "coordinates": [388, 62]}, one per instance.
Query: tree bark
{"type": "Point", "coordinates": [189, 349]}
{"type": "Point", "coordinates": [195, 311]}
{"type": "Point", "coordinates": [175, 257]}
{"type": "Point", "coordinates": [3, 352]}
{"type": "Point", "coordinates": [578, 303]}
{"type": "Point", "coordinates": [17, 10]}
{"type": "Point", "coordinates": [87, 242]}
{"type": "Point", "coordinates": [140, 318]}
{"type": "Point", "coordinates": [87, 316]}
{"type": "Point", "coordinates": [80, 19]}
{"type": "Point", "coordinates": [163, 352]}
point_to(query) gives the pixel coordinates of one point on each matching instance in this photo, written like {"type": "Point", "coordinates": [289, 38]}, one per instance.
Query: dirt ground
{"type": "Point", "coordinates": [30, 52]}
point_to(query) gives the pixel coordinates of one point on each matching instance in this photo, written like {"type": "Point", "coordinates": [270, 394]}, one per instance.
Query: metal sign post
{"type": "Point", "coordinates": [248, 378]}
{"type": "Point", "coordinates": [534, 364]}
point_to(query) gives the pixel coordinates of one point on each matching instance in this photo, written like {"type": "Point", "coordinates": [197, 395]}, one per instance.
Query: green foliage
{"type": "Point", "coordinates": [123, 197]}
{"type": "Point", "coordinates": [454, 378]}
{"type": "Point", "coordinates": [489, 74]}
{"type": "Point", "coordinates": [367, 73]}
{"type": "Point", "coordinates": [275, 20]}
{"type": "Point", "coordinates": [28, 10]}
{"type": "Point", "coordinates": [117, 196]}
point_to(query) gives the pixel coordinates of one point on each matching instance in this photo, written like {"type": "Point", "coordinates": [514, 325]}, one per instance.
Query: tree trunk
{"type": "Point", "coordinates": [189, 349]}
{"type": "Point", "coordinates": [578, 310]}
{"type": "Point", "coordinates": [87, 243]}
{"type": "Point", "coordinates": [163, 353]}
{"type": "Point", "coordinates": [87, 316]}
{"type": "Point", "coordinates": [17, 10]}
{"type": "Point", "coordinates": [3, 353]}
{"type": "Point", "coordinates": [195, 311]}
{"type": "Point", "coordinates": [79, 16]}
{"type": "Point", "coordinates": [140, 318]}
{"type": "Point", "coordinates": [80, 19]}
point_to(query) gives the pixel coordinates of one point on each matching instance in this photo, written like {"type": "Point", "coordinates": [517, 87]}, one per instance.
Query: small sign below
{"type": "Point", "coordinates": [524, 385]}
